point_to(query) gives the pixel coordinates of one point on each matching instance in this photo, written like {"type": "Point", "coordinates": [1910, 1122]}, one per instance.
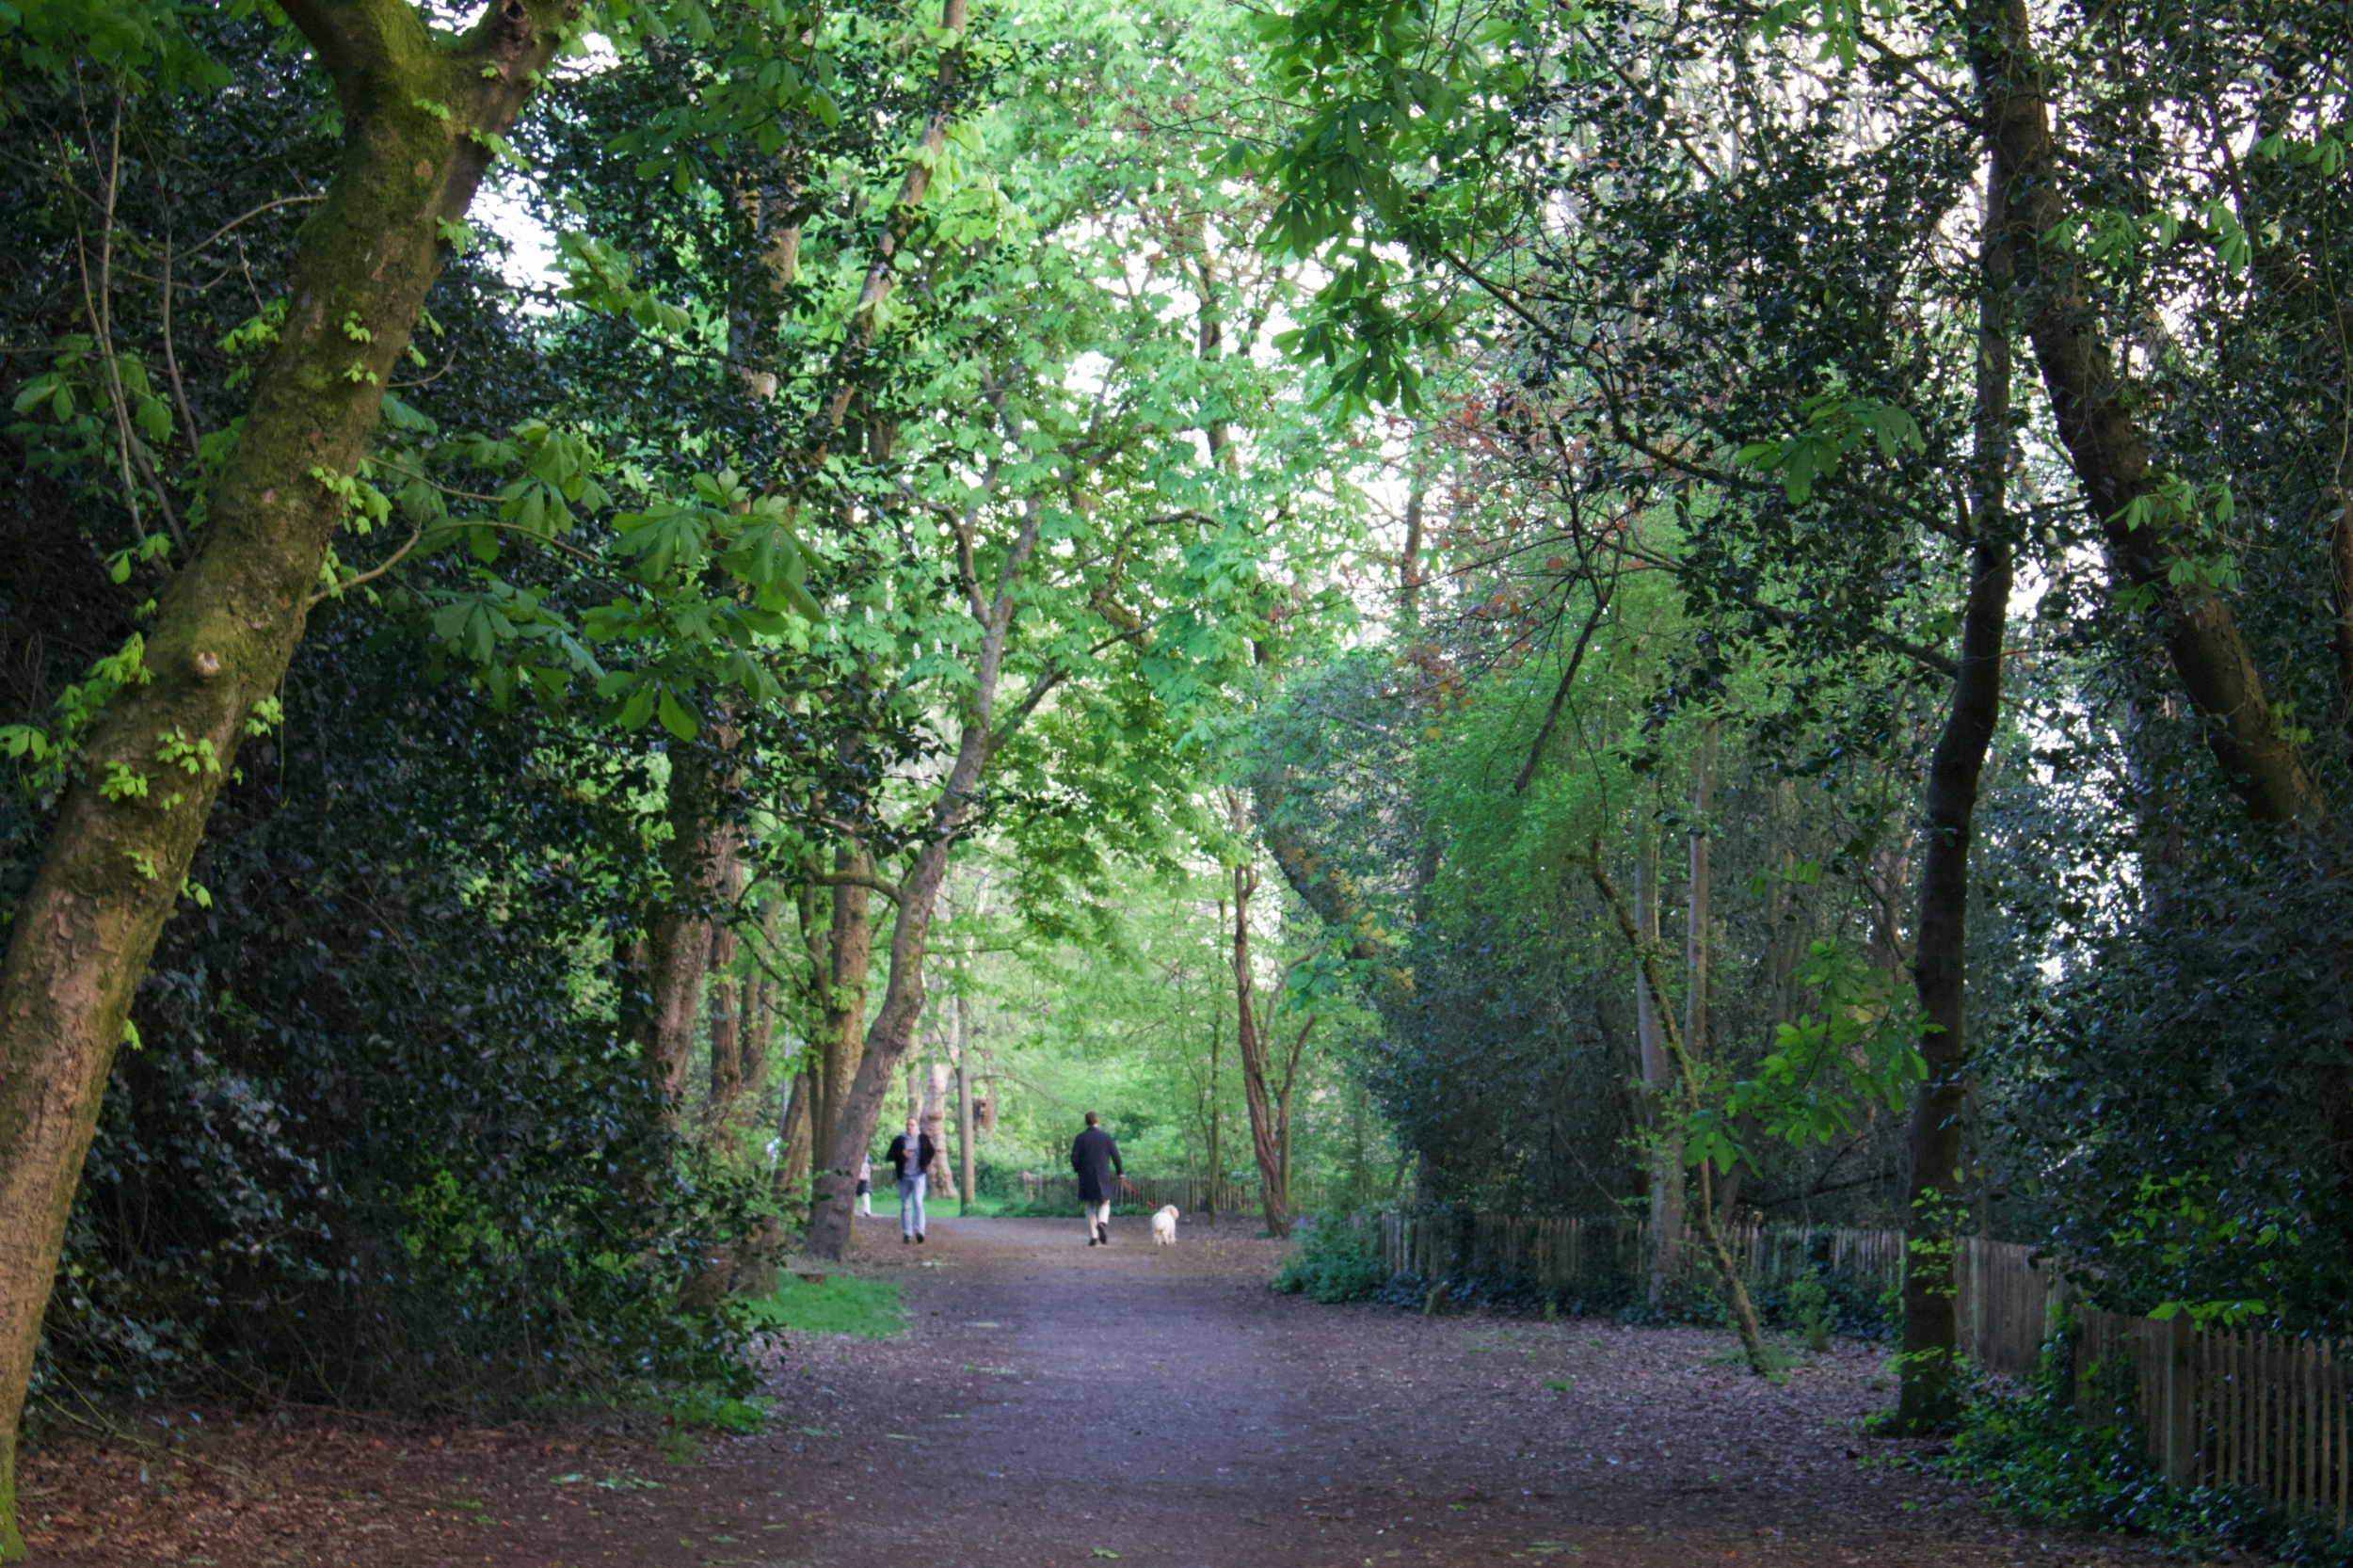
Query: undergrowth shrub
{"type": "Point", "coordinates": [1332, 1263]}
{"type": "Point", "coordinates": [2030, 1456]}
{"type": "Point", "coordinates": [389, 1140]}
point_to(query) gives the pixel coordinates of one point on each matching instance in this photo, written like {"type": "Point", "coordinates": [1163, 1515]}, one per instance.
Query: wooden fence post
{"type": "Point", "coordinates": [2172, 1424]}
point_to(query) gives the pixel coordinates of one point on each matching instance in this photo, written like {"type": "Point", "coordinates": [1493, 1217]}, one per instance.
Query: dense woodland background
{"type": "Point", "coordinates": [1421, 462]}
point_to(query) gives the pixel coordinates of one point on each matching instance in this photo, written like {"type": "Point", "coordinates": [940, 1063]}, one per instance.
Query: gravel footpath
{"type": "Point", "coordinates": [1057, 1404]}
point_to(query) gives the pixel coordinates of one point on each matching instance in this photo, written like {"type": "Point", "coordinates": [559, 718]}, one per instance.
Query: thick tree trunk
{"type": "Point", "coordinates": [800, 1133]}
{"type": "Point", "coordinates": [841, 1042]}
{"type": "Point", "coordinates": [698, 861]}
{"type": "Point", "coordinates": [2110, 452]}
{"type": "Point", "coordinates": [758, 1027]}
{"type": "Point", "coordinates": [1931, 1397]}
{"type": "Point", "coordinates": [1273, 1195]}
{"type": "Point", "coordinates": [112, 870]}
{"type": "Point", "coordinates": [727, 1038]}
{"type": "Point", "coordinates": [1666, 1155]}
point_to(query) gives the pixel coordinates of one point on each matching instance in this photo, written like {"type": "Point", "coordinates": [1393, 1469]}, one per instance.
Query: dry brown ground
{"type": "Point", "coordinates": [1061, 1406]}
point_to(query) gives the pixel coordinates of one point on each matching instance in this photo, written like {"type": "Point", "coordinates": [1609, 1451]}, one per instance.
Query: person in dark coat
{"type": "Point", "coordinates": [912, 1153]}
{"type": "Point", "coordinates": [1095, 1157]}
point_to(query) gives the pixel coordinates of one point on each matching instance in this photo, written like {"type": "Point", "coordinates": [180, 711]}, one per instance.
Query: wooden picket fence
{"type": "Point", "coordinates": [2233, 1407]}
{"type": "Point", "coordinates": [2269, 1412]}
{"type": "Point", "coordinates": [1564, 1253]}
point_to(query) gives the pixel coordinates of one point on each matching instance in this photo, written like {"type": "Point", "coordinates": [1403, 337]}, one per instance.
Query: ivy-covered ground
{"type": "Point", "coordinates": [1056, 1405]}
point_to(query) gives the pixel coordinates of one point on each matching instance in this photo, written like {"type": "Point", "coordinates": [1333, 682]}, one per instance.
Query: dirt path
{"type": "Point", "coordinates": [1061, 1406]}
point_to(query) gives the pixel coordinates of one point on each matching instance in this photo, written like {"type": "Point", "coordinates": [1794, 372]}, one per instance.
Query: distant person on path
{"type": "Point", "coordinates": [912, 1153]}
{"type": "Point", "coordinates": [866, 1185]}
{"type": "Point", "coordinates": [1095, 1157]}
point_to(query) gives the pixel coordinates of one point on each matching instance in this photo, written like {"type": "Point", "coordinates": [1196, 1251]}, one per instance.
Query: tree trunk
{"type": "Point", "coordinates": [114, 865]}
{"type": "Point", "coordinates": [841, 1046]}
{"type": "Point", "coordinates": [1890, 870]}
{"type": "Point", "coordinates": [893, 1030]}
{"type": "Point", "coordinates": [942, 1175]}
{"type": "Point", "coordinates": [1330, 891]}
{"type": "Point", "coordinates": [727, 1038]}
{"type": "Point", "coordinates": [1687, 1077]}
{"type": "Point", "coordinates": [1696, 934]}
{"type": "Point", "coordinates": [1930, 1396]}
{"type": "Point", "coordinates": [2340, 603]}
{"type": "Point", "coordinates": [1409, 578]}
{"type": "Point", "coordinates": [759, 1030]}
{"type": "Point", "coordinates": [800, 1132]}
{"type": "Point", "coordinates": [1283, 1101]}
{"type": "Point", "coordinates": [1695, 931]}
{"type": "Point", "coordinates": [2092, 406]}
{"type": "Point", "coordinates": [1666, 1155]}
{"type": "Point", "coordinates": [698, 861]}
{"type": "Point", "coordinates": [964, 1097]}
{"type": "Point", "coordinates": [1217, 1052]}
{"type": "Point", "coordinates": [1251, 1045]}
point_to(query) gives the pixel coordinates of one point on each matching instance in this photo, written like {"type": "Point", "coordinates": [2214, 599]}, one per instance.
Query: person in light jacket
{"type": "Point", "coordinates": [1095, 1157]}
{"type": "Point", "coordinates": [911, 1154]}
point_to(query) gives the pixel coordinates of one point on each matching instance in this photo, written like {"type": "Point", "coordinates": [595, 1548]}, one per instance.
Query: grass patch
{"type": "Point", "coordinates": [867, 1307]}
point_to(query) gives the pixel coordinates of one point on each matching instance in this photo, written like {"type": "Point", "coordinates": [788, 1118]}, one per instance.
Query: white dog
{"type": "Point", "coordinates": [1164, 1226]}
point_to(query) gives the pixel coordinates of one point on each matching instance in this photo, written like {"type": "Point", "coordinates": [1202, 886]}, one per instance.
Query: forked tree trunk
{"type": "Point", "coordinates": [1930, 1369]}
{"type": "Point", "coordinates": [112, 870]}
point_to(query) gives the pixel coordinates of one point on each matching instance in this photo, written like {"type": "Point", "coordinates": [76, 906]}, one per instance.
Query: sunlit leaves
{"type": "Point", "coordinates": [1837, 424]}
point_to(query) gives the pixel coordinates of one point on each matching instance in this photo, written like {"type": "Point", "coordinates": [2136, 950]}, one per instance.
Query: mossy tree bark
{"type": "Point", "coordinates": [128, 829]}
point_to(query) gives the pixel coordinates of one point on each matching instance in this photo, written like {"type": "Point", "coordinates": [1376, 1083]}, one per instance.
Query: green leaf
{"type": "Point", "coordinates": [674, 718]}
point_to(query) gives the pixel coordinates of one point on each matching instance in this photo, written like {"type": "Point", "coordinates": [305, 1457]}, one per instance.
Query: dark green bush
{"type": "Point", "coordinates": [388, 1140]}
{"type": "Point", "coordinates": [1332, 1261]}
{"type": "Point", "coordinates": [2029, 1456]}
